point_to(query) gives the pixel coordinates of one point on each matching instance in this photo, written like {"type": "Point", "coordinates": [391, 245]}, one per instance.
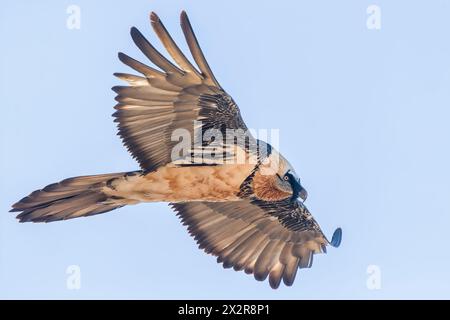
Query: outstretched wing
{"type": "Point", "coordinates": [159, 101]}
{"type": "Point", "coordinates": [271, 239]}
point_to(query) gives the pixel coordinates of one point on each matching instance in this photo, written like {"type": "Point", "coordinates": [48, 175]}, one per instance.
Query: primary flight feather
{"type": "Point", "coordinates": [239, 198]}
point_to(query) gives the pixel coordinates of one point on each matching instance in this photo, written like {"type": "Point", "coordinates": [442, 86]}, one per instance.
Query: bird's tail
{"type": "Point", "coordinates": [71, 198]}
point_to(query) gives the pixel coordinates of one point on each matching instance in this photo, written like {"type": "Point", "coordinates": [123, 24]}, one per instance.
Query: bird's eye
{"type": "Point", "coordinates": [286, 178]}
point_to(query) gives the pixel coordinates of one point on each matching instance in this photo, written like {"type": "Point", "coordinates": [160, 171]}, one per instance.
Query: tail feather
{"type": "Point", "coordinates": [70, 198]}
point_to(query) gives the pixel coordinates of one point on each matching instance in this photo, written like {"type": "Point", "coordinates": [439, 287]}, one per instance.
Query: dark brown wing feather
{"type": "Point", "coordinates": [160, 101]}
{"type": "Point", "coordinates": [268, 239]}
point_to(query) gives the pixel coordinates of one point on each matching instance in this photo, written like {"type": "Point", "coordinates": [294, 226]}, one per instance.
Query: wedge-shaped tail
{"type": "Point", "coordinates": [70, 198]}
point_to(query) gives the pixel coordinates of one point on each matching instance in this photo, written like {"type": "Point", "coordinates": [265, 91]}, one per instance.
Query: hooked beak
{"type": "Point", "coordinates": [303, 194]}
{"type": "Point", "coordinates": [299, 191]}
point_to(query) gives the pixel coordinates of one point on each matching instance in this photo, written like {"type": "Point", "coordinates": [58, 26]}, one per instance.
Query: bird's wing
{"type": "Point", "coordinates": [157, 102]}
{"type": "Point", "coordinates": [271, 239]}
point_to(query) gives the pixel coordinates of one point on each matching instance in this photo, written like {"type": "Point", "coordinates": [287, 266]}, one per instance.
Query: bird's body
{"type": "Point", "coordinates": [238, 196]}
{"type": "Point", "coordinates": [172, 183]}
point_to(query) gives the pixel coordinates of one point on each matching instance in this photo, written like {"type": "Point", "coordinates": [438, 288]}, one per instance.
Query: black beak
{"type": "Point", "coordinates": [303, 194]}
{"type": "Point", "coordinates": [299, 191]}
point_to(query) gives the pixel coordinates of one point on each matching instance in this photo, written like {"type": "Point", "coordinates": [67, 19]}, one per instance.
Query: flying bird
{"type": "Point", "coordinates": [240, 199]}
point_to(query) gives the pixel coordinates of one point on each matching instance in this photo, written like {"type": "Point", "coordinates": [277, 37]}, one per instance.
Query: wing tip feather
{"type": "Point", "coordinates": [336, 238]}
{"type": "Point", "coordinates": [183, 15]}
{"type": "Point", "coordinates": [122, 56]}
{"type": "Point", "coordinates": [154, 17]}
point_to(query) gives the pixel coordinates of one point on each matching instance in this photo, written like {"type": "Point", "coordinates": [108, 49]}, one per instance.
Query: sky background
{"type": "Point", "coordinates": [364, 117]}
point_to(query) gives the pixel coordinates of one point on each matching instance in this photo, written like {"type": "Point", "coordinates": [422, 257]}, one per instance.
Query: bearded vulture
{"type": "Point", "coordinates": [239, 198]}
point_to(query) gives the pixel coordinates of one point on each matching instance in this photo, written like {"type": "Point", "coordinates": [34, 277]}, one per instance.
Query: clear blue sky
{"type": "Point", "coordinates": [364, 118]}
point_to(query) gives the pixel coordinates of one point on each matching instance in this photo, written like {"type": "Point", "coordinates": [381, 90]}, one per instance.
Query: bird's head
{"type": "Point", "coordinates": [276, 179]}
